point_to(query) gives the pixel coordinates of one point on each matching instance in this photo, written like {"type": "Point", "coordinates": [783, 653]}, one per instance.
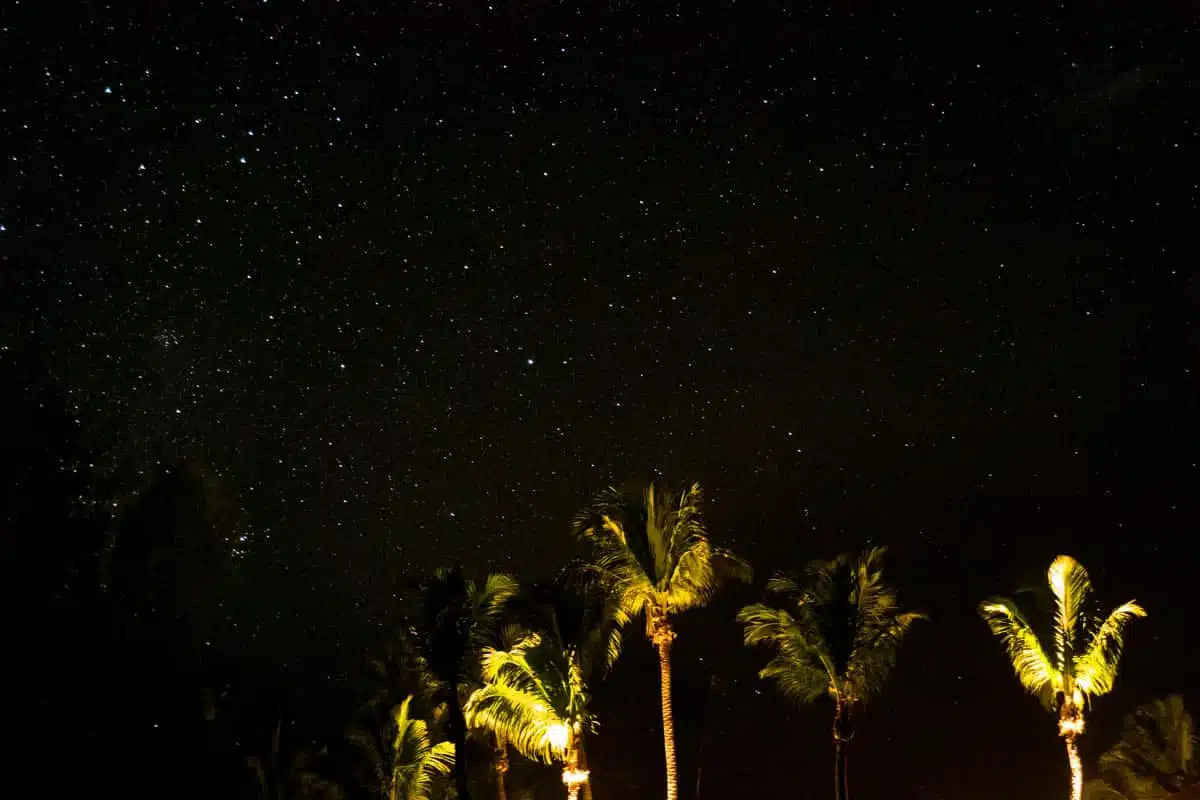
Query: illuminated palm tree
{"type": "Point", "coordinates": [1083, 661]}
{"type": "Point", "coordinates": [835, 632]}
{"type": "Point", "coordinates": [577, 613]}
{"type": "Point", "coordinates": [407, 768]}
{"type": "Point", "coordinates": [534, 698]}
{"type": "Point", "coordinates": [504, 637]}
{"type": "Point", "coordinates": [459, 617]}
{"type": "Point", "coordinates": [651, 553]}
{"type": "Point", "coordinates": [1155, 758]}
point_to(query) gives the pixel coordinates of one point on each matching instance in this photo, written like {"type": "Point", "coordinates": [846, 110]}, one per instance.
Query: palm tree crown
{"type": "Point", "coordinates": [1155, 757]}
{"type": "Point", "coordinates": [1086, 649]}
{"type": "Point", "coordinates": [837, 634]}
{"type": "Point", "coordinates": [533, 697]}
{"type": "Point", "coordinates": [652, 553]}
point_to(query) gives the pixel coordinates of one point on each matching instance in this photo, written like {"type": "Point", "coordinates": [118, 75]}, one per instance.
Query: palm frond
{"type": "Point", "coordinates": [493, 596]}
{"type": "Point", "coordinates": [522, 719]}
{"type": "Point", "coordinates": [1096, 668]}
{"type": "Point", "coordinates": [796, 680]}
{"type": "Point", "coordinates": [1100, 789]}
{"type": "Point", "coordinates": [1034, 669]}
{"type": "Point", "coordinates": [800, 668]}
{"type": "Point", "coordinates": [875, 653]}
{"type": "Point", "coordinates": [1071, 586]}
{"type": "Point", "coordinates": [416, 761]}
{"type": "Point", "coordinates": [766, 625]}
{"type": "Point", "coordinates": [375, 759]}
{"type": "Point", "coordinates": [1156, 754]}
{"type": "Point", "coordinates": [785, 584]}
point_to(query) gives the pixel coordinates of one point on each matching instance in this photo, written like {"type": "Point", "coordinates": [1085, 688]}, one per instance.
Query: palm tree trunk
{"type": "Point", "coordinates": [573, 775]}
{"type": "Point", "coordinates": [586, 791]}
{"type": "Point", "coordinates": [844, 752]}
{"type": "Point", "coordinates": [1076, 768]}
{"type": "Point", "coordinates": [458, 735]}
{"type": "Point", "coordinates": [840, 740]}
{"type": "Point", "coordinates": [500, 766]}
{"type": "Point", "coordinates": [837, 769]}
{"type": "Point", "coordinates": [663, 639]}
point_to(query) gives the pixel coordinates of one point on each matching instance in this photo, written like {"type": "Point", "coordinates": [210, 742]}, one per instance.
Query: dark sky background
{"type": "Point", "coordinates": [415, 279]}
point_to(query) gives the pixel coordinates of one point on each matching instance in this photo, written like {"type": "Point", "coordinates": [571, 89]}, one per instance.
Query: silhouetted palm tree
{"type": "Point", "coordinates": [281, 777]}
{"type": "Point", "coordinates": [835, 632]}
{"type": "Point", "coordinates": [534, 698]}
{"type": "Point", "coordinates": [458, 617]}
{"type": "Point", "coordinates": [651, 553]}
{"type": "Point", "coordinates": [1086, 651]}
{"type": "Point", "coordinates": [399, 671]}
{"type": "Point", "coordinates": [1155, 758]}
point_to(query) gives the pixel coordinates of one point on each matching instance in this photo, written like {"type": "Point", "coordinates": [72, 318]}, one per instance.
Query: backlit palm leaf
{"type": "Point", "coordinates": [1096, 668]}
{"type": "Point", "coordinates": [1036, 672]}
{"type": "Point", "coordinates": [1071, 586]}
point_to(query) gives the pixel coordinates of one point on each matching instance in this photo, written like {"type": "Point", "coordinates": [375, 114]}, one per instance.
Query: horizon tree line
{"type": "Point", "coordinates": [506, 670]}
{"type": "Point", "coordinates": [510, 667]}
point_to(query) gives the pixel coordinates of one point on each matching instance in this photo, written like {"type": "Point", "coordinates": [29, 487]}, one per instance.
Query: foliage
{"type": "Point", "coordinates": [651, 554]}
{"type": "Point", "coordinates": [574, 611]}
{"type": "Point", "coordinates": [283, 778]}
{"type": "Point", "coordinates": [533, 697]}
{"type": "Point", "coordinates": [408, 767]}
{"type": "Point", "coordinates": [837, 632]}
{"type": "Point", "coordinates": [1086, 648]}
{"type": "Point", "coordinates": [460, 618]}
{"type": "Point", "coordinates": [401, 672]}
{"type": "Point", "coordinates": [1154, 758]}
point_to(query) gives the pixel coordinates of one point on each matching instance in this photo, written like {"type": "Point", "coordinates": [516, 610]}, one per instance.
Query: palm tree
{"type": "Point", "coordinates": [411, 762]}
{"type": "Point", "coordinates": [458, 619]}
{"type": "Point", "coordinates": [283, 778]}
{"type": "Point", "coordinates": [504, 637]}
{"type": "Point", "coordinates": [835, 632]}
{"type": "Point", "coordinates": [1085, 653]}
{"type": "Point", "coordinates": [534, 698]}
{"type": "Point", "coordinates": [651, 553]}
{"type": "Point", "coordinates": [584, 618]}
{"type": "Point", "coordinates": [1155, 757]}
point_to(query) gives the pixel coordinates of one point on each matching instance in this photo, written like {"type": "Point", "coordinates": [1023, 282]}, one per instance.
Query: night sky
{"type": "Point", "coordinates": [415, 279]}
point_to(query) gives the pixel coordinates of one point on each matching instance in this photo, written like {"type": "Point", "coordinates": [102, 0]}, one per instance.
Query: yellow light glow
{"type": "Point", "coordinates": [1070, 726]}
{"type": "Point", "coordinates": [575, 777]}
{"type": "Point", "coordinates": [558, 735]}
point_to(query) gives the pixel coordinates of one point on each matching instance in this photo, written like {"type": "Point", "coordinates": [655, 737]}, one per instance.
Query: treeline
{"type": "Point", "coordinates": [130, 622]}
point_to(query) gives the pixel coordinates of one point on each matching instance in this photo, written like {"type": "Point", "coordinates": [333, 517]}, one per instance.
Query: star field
{"type": "Point", "coordinates": [415, 279]}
